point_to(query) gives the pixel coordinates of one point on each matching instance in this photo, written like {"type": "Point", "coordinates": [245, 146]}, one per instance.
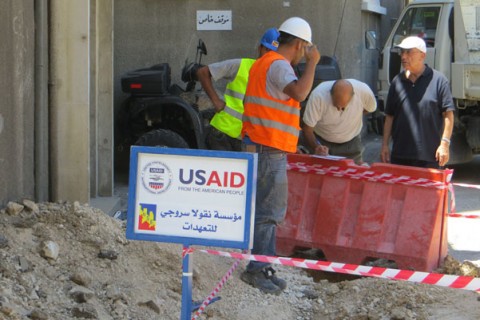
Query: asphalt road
{"type": "Point", "coordinates": [463, 233]}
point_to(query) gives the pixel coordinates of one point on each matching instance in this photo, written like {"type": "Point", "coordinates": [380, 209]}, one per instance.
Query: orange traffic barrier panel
{"type": "Point", "coordinates": [356, 214]}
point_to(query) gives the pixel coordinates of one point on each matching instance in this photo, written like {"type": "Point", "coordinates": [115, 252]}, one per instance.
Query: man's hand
{"type": "Point", "coordinates": [385, 154]}
{"type": "Point", "coordinates": [321, 150]}
{"type": "Point", "coordinates": [443, 154]}
{"type": "Point", "coordinates": [312, 54]}
{"type": "Point", "coordinates": [219, 105]}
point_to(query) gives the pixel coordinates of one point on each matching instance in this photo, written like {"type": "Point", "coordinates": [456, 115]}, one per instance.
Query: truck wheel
{"type": "Point", "coordinates": [473, 132]}
{"type": "Point", "coordinates": [460, 151]}
{"type": "Point", "coordinates": [162, 138]}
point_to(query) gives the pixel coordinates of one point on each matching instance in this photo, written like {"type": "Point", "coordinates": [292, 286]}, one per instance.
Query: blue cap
{"type": "Point", "coordinates": [269, 39]}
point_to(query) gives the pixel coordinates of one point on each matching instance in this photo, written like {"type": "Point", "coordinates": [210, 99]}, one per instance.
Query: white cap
{"type": "Point", "coordinates": [413, 42]}
{"type": "Point", "coordinates": [297, 27]}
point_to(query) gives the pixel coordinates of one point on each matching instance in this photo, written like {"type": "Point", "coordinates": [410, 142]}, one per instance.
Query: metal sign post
{"type": "Point", "coordinates": [187, 276]}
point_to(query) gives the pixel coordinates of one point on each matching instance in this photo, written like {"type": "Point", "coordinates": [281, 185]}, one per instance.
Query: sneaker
{"type": "Point", "coordinates": [270, 274]}
{"type": "Point", "coordinates": [260, 281]}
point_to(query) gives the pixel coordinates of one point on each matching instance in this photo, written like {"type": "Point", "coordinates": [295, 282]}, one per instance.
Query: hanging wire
{"type": "Point", "coordinates": [339, 27]}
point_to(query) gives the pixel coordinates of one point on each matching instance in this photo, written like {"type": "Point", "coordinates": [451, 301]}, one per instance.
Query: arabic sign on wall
{"type": "Point", "coordinates": [192, 196]}
{"type": "Point", "coordinates": [214, 20]}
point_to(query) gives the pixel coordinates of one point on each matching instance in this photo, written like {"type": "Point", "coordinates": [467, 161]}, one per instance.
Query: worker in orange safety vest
{"type": "Point", "coordinates": [271, 125]}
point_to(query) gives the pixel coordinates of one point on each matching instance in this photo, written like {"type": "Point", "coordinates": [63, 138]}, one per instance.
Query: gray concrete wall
{"type": "Point", "coordinates": [101, 98]}
{"type": "Point", "coordinates": [150, 32]}
{"type": "Point", "coordinates": [17, 100]}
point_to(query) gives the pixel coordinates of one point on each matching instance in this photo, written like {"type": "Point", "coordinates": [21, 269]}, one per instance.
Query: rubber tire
{"type": "Point", "coordinates": [473, 132]}
{"type": "Point", "coordinates": [460, 151]}
{"type": "Point", "coordinates": [162, 138]}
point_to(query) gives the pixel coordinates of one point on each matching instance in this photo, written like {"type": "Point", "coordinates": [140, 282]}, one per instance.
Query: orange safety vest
{"type": "Point", "coordinates": [266, 120]}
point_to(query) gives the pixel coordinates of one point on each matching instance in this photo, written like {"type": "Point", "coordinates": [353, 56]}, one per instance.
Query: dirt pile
{"type": "Point", "coordinates": [71, 261]}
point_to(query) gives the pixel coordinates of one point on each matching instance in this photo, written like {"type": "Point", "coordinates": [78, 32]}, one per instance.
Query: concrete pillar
{"type": "Point", "coordinates": [17, 100]}
{"type": "Point", "coordinates": [103, 56]}
{"type": "Point", "coordinates": [70, 100]}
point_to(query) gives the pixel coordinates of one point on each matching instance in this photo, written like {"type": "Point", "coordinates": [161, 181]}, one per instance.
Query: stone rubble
{"type": "Point", "coordinates": [71, 261]}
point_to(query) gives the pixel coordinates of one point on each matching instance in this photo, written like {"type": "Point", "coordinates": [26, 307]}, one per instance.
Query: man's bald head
{"type": "Point", "coordinates": [342, 93]}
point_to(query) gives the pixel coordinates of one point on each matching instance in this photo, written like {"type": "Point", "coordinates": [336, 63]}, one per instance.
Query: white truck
{"type": "Point", "coordinates": [451, 30]}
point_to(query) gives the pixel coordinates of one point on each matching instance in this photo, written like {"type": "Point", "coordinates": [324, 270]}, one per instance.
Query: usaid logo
{"type": "Point", "coordinates": [156, 177]}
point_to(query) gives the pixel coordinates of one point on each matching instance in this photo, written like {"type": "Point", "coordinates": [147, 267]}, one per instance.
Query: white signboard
{"type": "Point", "coordinates": [214, 20]}
{"type": "Point", "coordinates": [191, 196]}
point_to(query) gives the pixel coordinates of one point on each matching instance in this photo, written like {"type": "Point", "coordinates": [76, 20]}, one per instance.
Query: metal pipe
{"type": "Point", "coordinates": [41, 116]}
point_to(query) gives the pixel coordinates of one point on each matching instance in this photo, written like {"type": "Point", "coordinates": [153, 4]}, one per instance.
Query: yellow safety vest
{"type": "Point", "coordinates": [229, 120]}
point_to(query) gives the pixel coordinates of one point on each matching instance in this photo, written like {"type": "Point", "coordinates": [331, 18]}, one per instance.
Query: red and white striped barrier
{"type": "Point", "coordinates": [466, 185]}
{"type": "Point", "coordinates": [368, 175]}
{"type": "Point", "coordinates": [216, 290]}
{"type": "Point", "coordinates": [453, 213]}
{"type": "Point", "coordinates": [460, 215]}
{"type": "Point", "coordinates": [451, 281]}
{"type": "Point", "coordinates": [356, 174]}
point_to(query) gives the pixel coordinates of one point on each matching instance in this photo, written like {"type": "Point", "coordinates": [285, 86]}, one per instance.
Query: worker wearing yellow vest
{"type": "Point", "coordinates": [271, 124]}
{"type": "Point", "coordinates": [227, 121]}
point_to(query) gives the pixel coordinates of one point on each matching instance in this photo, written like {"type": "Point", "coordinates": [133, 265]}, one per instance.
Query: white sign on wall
{"type": "Point", "coordinates": [191, 196]}
{"type": "Point", "coordinates": [214, 20]}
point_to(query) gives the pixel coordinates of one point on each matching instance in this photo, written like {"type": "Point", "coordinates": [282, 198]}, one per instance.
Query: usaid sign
{"type": "Point", "coordinates": [192, 196]}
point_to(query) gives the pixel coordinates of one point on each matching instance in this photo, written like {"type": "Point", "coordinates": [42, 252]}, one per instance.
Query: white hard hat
{"type": "Point", "coordinates": [297, 27]}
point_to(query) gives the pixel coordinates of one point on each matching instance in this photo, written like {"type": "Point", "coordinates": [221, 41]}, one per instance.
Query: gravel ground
{"type": "Point", "coordinates": [71, 261]}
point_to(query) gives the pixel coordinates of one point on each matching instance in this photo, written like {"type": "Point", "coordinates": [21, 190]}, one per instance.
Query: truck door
{"type": "Point", "coordinates": [419, 21]}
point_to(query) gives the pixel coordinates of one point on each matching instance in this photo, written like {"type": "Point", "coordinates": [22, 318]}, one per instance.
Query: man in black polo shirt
{"type": "Point", "coordinates": [419, 112]}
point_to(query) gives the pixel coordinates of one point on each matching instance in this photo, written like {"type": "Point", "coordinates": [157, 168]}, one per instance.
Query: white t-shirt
{"type": "Point", "coordinates": [330, 123]}
{"type": "Point", "coordinates": [279, 75]}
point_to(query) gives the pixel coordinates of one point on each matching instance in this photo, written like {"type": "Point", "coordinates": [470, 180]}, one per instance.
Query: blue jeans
{"type": "Point", "coordinates": [270, 205]}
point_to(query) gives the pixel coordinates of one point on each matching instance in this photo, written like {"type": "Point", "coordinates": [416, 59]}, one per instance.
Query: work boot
{"type": "Point", "coordinates": [270, 274]}
{"type": "Point", "coordinates": [260, 281]}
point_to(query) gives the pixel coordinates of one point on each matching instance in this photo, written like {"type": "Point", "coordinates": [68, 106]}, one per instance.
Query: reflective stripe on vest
{"type": "Point", "coordinates": [267, 120]}
{"type": "Point", "coordinates": [234, 113]}
{"type": "Point", "coordinates": [229, 120]}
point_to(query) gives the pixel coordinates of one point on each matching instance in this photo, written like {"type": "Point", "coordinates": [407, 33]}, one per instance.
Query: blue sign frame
{"type": "Point", "coordinates": [250, 159]}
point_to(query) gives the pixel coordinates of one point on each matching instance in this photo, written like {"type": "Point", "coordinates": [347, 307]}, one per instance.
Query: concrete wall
{"type": "Point", "coordinates": [70, 100]}
{"type": "Point", "coordinates": [150, 32]}
{"type": "Point", "coordinates": [81, 99]}
{"type": "Point", "coordinates": [17, 100]}
{"type": "Point", "coordinates": [101, 99]}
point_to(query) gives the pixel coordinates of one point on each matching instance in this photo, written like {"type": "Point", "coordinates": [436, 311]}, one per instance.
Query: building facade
{"type": "Point", "coordinates": [62, 61]}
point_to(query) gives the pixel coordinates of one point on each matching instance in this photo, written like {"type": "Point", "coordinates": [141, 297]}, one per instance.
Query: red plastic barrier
{"type": "Point", "coordinates": [334, 207]}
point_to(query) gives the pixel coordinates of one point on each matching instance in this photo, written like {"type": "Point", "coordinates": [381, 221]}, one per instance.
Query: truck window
{"type": "Point", "coordinates": [421, 22]}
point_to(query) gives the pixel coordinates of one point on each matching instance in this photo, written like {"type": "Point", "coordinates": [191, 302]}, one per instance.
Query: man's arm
{"type": "Point", "coordinates": [205, 78]}
{"type": "Point", "coordinates": [387, 131]}
{"type": "Point", "coordinates": [312, 141]}
{"type": "Point", "coordinates": [299, 90]}
{"type": "Point", "coordinates": [443, 151]}
{"type": "Point", "coordinates": [369, 101]}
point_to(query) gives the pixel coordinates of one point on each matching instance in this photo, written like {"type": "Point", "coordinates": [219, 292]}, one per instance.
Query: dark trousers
{"type": "Point", "coordinates": [217, 140]}
{"type": "Point", "coordinates": [414, 163]}
{"type": "Point", "coordinates": [352, 149]}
